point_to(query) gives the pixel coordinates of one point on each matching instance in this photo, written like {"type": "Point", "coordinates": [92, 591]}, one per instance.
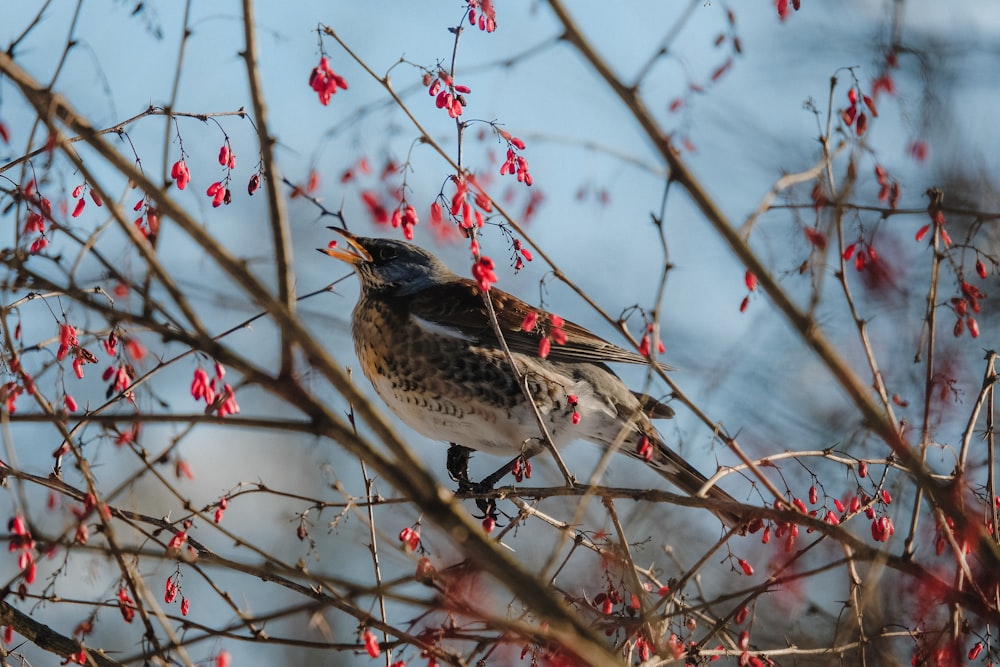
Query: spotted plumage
{"type": "Point", "coordinates": [424, 339]}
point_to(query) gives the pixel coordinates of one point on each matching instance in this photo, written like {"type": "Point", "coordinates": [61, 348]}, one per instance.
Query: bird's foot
{"type": "Point", "coordinates": [458, 470]}
{"type": "Point", "coordinates": [458, 466]}
{"type": "Point", "coordinates": [488, 506]}
{"type": "Point", "coordinates": [520, 466]}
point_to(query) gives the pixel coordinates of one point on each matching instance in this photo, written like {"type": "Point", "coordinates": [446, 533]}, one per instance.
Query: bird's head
{"type": "Point", "coordinates": [388, 266]}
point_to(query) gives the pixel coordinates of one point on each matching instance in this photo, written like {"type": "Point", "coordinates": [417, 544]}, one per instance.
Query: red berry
{"type": "Point", "coordinates": [371, 643]}
{"type": "Point", "coordinates": [741, 615]}
{"type": "Point", "coordinates": [973, 327]}
{"type": "Point", "coordinates": [975, 651]}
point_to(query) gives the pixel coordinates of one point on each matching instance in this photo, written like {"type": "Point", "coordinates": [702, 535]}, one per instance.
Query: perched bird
{"type": "Point", "coordinates": [424, 339]}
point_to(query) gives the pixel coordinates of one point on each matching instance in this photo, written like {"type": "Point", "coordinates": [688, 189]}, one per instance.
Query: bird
{"type": "Point", "coordinates": [424, 338]}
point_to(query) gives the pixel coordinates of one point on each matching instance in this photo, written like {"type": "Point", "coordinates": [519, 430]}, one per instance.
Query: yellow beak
{"type": "Point", "coordinates": [354, 253]}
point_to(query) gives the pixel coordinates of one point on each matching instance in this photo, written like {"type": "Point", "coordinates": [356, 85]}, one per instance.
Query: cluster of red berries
{"type": "Point", "coordinates": [173, 589]}
{"type": "Point", "coordinates": [555, 333]}
{"type": "Point", "coordinates": [40, 210]}
{"type": "Point", "coordinates": [446, 93]}
{"type": "Point", "coordinates": [23, 544]}
{"type": "Point", "coordinates": [888, 191]}
{"type": "Point", "coordinates": [406, 217]}
{"type": "Point", "coordinates": [325, 81]}
{"type": "Point", "coordinates": [515, 164]}
{"type": "Point", "coordinates": [483, 270]}
{"type": "Point", "coordinates": [78, 193]}
{"type": "Point", "coordinates": [969, 301]}
{"type": "Point", "coordinates": [521, 254]}
{"type": "Point", "coordinates": [486, 13]}
{"type": "Point", "coordinates": [410, 537]}
{"type": "Point", "coordinates": [854, 115]}
{"type": "Point", "coordinates": [221, 401]}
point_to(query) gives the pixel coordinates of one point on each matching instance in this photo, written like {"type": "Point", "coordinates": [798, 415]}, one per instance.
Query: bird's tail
{"type": "Point", "coordinates": [682, 474]}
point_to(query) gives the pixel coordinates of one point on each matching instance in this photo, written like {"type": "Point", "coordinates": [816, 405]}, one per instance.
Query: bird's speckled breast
{"type": "Point", "coordinates": [437, 384]}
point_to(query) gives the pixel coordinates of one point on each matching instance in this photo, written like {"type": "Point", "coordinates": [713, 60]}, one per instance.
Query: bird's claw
{"type": "Point", "coordinates": [458, 465]}
{"type": "Point", "coordinates": [488, 506]}
{"type": "Point", "coordinates": [458, 470]}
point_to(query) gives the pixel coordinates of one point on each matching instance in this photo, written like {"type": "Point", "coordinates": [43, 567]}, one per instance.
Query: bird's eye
{"type": "Point", "coordinates": [386, 253]}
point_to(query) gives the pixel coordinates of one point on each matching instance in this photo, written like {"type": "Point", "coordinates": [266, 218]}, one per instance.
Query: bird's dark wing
{"type": "Point", "coordinates": [458, 306]}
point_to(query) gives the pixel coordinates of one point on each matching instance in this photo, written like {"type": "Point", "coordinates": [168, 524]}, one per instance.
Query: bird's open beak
{"type": "Point", "coordinates": [351, 252]}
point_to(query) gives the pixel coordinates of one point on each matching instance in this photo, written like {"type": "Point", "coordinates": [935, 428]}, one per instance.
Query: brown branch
{"type": "Point", "coordinates": [280, 232]}
{"type": "Point", "coordinates": [48, 639]}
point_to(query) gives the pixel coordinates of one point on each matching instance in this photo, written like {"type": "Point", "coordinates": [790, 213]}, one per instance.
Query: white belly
{"type": "Point", "coordinates": [488, 428]}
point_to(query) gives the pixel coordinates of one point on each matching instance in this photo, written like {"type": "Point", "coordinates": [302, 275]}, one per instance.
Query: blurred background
{"type": "Point", "coordinates": [741, 117]}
